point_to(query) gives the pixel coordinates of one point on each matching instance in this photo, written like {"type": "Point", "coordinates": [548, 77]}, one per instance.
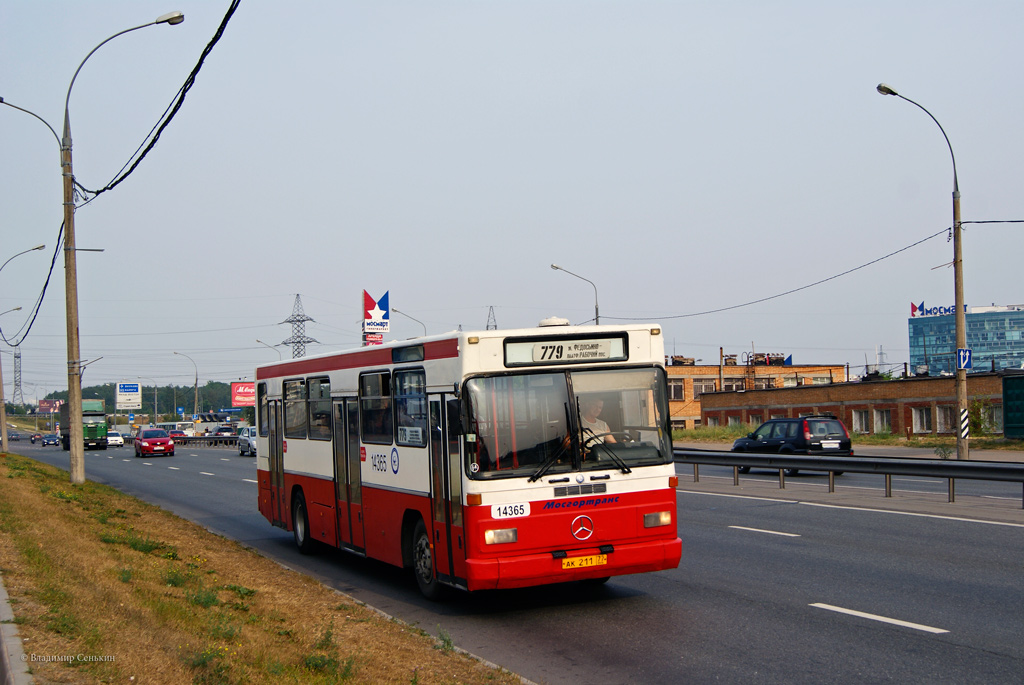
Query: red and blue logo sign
{"type": "Point", "coordinates": [376, 314]}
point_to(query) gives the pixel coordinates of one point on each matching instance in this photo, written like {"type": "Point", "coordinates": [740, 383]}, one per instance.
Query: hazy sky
{"type": "Point", "coordinates": [683, 156]}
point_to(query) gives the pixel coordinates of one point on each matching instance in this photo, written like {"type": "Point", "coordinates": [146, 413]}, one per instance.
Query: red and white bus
{"type": "Point", "coordinates": [482, 460]}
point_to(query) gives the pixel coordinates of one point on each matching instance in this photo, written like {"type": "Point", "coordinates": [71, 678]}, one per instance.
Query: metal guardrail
{"type": "Point", "coordinates": [886, 466]}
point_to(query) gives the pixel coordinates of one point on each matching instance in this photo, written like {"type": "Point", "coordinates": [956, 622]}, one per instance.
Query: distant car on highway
{"type": "Point", "coordinates": [153, 441]}
{"type": "Point", "coordinates": [247, 441]}
{"type": "Point", "coordinates": [115, 439]}
{"type": "Point", "coordinates": [175, 434]}
{"type": "Point", "coordinates": [14, 436]}
{"type": "Point", "coordinates": [51, 439]}
{"type": "Point", "coordinates": [820, 435]}
{"type": "Point", "coordinates": [223, 431]}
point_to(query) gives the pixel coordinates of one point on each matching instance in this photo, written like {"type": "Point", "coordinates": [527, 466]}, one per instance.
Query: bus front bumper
{"type": "Point", "coordinates": [546, 568]}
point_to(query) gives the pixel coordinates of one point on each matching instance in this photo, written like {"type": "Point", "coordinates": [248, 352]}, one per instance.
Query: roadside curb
{"type": "Point", "coordinates": [13, 663]}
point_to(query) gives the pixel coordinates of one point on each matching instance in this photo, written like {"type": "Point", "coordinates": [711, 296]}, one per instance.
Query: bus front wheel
{"type": "Point", "coordinates": [423, 563]}
{"type": "Point", "coordinates": [300, 525]}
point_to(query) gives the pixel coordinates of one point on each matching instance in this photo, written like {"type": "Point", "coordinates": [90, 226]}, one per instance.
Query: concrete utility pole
{"type": "Point", "coordinates": [77, 446]}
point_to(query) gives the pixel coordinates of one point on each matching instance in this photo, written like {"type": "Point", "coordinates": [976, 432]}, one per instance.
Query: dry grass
{"type": "Point", "coordinates": [93, 572]}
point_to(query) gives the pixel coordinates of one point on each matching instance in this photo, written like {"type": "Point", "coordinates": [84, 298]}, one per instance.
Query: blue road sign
{"type": "Point", "coordinates": [963, 358]}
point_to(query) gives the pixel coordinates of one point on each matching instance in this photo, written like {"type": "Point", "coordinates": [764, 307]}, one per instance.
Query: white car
{"type": "Point", "coordinates": [114, 439]}
{"type": "Point", "coordinates": [247, 440]}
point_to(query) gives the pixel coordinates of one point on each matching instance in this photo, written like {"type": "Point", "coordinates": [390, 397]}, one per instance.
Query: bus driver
{"type": "Point", "coordinates": [594, 429]}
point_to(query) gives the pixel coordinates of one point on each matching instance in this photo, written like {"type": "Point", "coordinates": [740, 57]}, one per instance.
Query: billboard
{"type": "Point", "coordinates": [376, 319]}
{"type": "Point", "coordinates": [49, 406]}
{"type": "Point", "coordinates": [243, 394]}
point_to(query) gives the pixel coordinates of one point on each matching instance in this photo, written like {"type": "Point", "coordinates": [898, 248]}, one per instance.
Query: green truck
{"type": "Point", "coordinates": [94, 425]}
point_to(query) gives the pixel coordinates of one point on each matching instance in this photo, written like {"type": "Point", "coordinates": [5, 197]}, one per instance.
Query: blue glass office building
{"type": "Point", "coordinates": [994, 334]}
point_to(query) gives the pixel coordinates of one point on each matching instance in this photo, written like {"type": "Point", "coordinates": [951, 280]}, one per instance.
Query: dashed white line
{"type": "Point", "coordinates": [146, 463]}
{"type": "Point", "coordinates": [250, 480]}
{"type": "Point", "coordinates": [174, 468]}
{"type": "Point", "coordinates": [204, 473]}
{"type": "Point", "coordinates": [770, 532]}
{"type": "Point", "coordinates": [883, 619]}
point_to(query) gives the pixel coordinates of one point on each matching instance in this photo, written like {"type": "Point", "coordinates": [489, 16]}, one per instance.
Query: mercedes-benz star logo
{"type": "Point", "coordinates": [582, 527]}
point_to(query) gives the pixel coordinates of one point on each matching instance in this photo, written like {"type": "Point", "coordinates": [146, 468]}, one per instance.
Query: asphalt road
{"type": "Point", "coordinates": [764, 592]}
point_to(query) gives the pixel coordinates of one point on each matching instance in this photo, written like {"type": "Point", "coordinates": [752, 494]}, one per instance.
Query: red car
{"type": "Point", "coordinates": [152, 441]}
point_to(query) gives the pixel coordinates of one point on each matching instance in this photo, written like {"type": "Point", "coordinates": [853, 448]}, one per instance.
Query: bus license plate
{"type": "Point", "coordinates": [584, 562]}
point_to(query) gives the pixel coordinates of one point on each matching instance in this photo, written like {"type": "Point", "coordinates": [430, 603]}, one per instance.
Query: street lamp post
{"type": "Point", "coordinates": [960, 319]}
{"type": "Point", "coordinates": [271, 347]}
{"type": "Point", "coordinates": [413, 318]}
{"type": "Point", "coordinates": [195, 399]}
{"type": "Point", "coordinates": [156, 415]}
{"type": "Point", "coordinates": [77, 448]}
{"type": "Point", "coordinates": [3, 402]}
{"type": "Point", "coordinates": [597, 317]}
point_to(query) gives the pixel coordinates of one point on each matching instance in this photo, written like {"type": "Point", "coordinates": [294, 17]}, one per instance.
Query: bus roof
{"type": "Point", "coordinates": [441, 346]}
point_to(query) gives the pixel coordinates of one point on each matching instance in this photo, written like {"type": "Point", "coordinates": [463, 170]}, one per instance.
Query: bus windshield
{"type": "Point", "coordinates": [556, 422]}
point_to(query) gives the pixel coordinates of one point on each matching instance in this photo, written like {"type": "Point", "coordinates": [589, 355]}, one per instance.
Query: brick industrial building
{"type": "Point", "coordinates": [907, 406]}
{"type": "Point", "coordinates": [688, 381]}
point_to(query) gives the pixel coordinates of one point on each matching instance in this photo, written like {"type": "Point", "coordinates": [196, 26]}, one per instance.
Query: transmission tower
{"type": "Point", "coordinates": [298, 321]}
{"type": "Point", "coordinates": [18, 399]}
{"type": "Point", "coordinates": [492, 323]}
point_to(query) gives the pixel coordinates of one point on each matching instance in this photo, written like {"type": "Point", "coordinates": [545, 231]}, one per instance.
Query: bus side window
{"type": "Point", "coordinates": [376, 418]}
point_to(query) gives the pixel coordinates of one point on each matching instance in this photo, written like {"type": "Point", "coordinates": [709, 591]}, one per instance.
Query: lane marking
{"type": "Point", "coordinates": [838, 506]}
{"type": "Point", "coordinates": [223, 459]}
{"type": "Point", "coordinates": [250, 480]}
{"type": "Point", "coordinates": [146, 463]}
{"type": "Point", "coordinates": [883, 619]}
{"type": "Point", "coordinates": [770, 532]}
{"type": "Point", "coordinates": [126, 460]}
{"type": "Point", "coordinates": [174, 468]}
{"type": "Point", "coordinates": [204, 473]}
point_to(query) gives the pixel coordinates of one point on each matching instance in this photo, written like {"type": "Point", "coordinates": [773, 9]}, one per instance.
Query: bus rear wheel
{"type": "Point", "coordinates": [300, 525]}
{"type": "Point", "coordinates": [423, 563]}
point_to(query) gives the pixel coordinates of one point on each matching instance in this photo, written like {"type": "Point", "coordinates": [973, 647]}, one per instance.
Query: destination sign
{"type": "Point", "coordinates": [564, 350]}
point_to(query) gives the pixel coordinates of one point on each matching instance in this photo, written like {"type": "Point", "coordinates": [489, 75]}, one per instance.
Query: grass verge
{"type": "Point", "coordinates": [107, 588]}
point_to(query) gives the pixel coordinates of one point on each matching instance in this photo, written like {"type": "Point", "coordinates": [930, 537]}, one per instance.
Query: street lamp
{"type": "Point", "coordinates": [271, 347]}
{"type": "Point", "coordinates": [413, 318]}
{"type": "Point", "coordinates": [195, 401]}
{"type": "Point", "coordinates": [597, 318]}
{"type": "Point", "coordinates": [960, 323]}
{"type": "Point", "coordinates": [3, 403]}
{"type": "Point", "coordinates": [156, 415]}
{"type": "Point", "coordinates": [77, 448]}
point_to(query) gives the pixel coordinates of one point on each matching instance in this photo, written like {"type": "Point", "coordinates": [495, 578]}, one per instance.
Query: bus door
{"type": "Point", "coordinates": [446, 490]}
{"type": "Point", "coordinates": [347, 479]}
{"type": "Point", "coordinates": [276, 456]}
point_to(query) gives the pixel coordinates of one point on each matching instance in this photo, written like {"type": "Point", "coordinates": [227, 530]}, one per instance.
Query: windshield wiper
{"type": "Point", "coordinates": [616, 459]}
{"type": "Point", "coordinates": [555, 456]}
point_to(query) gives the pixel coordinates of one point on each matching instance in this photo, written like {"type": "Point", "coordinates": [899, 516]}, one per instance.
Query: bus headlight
{"type": "Point", "coordinates": [658, 518]}
{"type": "Point", "coordinates": [501, 536]}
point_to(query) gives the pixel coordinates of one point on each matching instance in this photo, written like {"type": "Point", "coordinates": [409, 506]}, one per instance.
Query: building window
{"type": "Point", "coordinates": [754, 419]}
{"type": "Point", "coordinates": [764, 383]}
{"type": "Point", "coordinates": [778, 416]}
{"type": "Point", "coordinates": [713, 421]}
{"type": "Point", "coordinates": [821, 380]}
{"type": "Point", "coordinates": [789, 382]}
{"type": "Point", "coordinates": [703, 386]}
{"type": "Point", "coordinates": [734, 384]}
{"type": "Point", "coordinates": [945, 419]}
{"type": "Point", "coordinates": [861, 423]}
{"type": "Point", "coordinates": [675, 389]}
{"type": "Point", "coordinates": [733, 420]}
{"type": "Point", "coordinates": [883, 420]}
{"type": "Point", "coordinates": [922, 419]}
{"type": "Point", "coordinates": [994, 418]}
{"type": "Point", "coordinates": [679, 425]}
